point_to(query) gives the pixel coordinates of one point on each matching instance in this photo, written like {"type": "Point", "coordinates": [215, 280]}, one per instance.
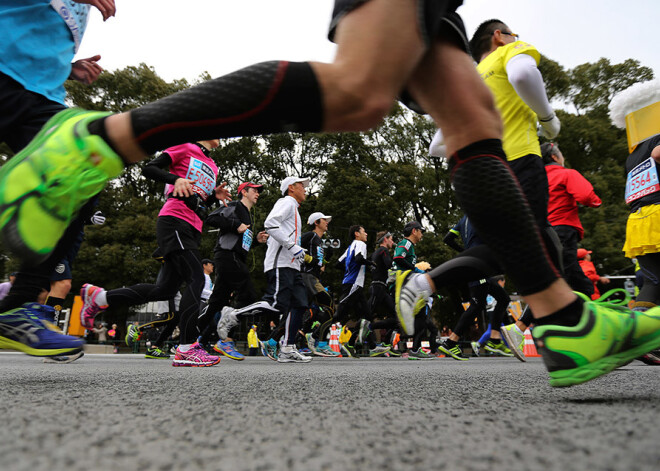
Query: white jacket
{"type": "Point", "coordinates": [284, 226]}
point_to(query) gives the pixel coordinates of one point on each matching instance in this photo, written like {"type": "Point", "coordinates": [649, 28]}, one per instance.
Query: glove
{"type": "Point", "coordinates": [97, 218]}
{"type": "Point", "coordinates": [298, 253]}
{"type": "Point", "coordinates": [308, 258]}
{"type": "Point", "coordinates": [550, 126]}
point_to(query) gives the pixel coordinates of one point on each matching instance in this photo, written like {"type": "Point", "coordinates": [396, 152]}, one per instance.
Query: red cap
{"type": "Point", "coordinates": [581, 253]}
{"type": "Point", "coordinates": [245, 185]}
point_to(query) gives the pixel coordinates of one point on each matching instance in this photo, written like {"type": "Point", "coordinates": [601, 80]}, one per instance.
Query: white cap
{"type": "Point", "coordinates": [316, 216]}
{"type": "Point", "coordinates": [291, 180]}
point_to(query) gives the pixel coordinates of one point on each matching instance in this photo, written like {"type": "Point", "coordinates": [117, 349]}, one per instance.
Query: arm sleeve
{"type": "Point", "coordinates": [450, 240]}
{"type": "Point", "coordinates": [527, 81]}
{"type": "Point", "coordinates": [580, 188]}
{"type": "Point", "coordinates": [438, 147]}
{"type": "Point", "coordinates": [273, 224]}
{"type": "Point", "coordinates": [155, 169]}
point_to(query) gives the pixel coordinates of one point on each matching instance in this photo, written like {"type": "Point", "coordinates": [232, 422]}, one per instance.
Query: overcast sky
{"type": "Point", "coordinates": [220, 36]}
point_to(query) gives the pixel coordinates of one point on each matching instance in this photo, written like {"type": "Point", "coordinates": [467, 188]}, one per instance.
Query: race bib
{"type": "Point", "coordinates": [247, 240]}
{"type": "Point", "coordinates": [75, 16]}
{"type": "Point", "coordinates": [202, 176]}
{"type": "Point", "coordinates": [642, 180]}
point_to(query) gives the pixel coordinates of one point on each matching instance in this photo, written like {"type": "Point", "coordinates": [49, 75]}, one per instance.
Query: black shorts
{"type": "Point", "coordinates": [312, 285]}
{"type": "Point", "coordinates": [22, 113]}
{"type": "Point", "coordinates": [175, 234]}
{"type": "Point", "coordinates": [437, 20]}
{"type": "Point", "coordinates": [533, 179]}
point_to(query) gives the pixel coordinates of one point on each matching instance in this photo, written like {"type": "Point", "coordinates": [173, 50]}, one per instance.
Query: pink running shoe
{"type": "Point", "coordinates": [196, 356]}
{"type": "Point", "coordinates": [90, 308]}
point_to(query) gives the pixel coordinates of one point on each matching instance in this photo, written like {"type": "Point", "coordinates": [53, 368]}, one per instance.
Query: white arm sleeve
{"type": "Point", "coordinates": [438, 147]}
{"type": "Point", "coordinates": [527, 81]}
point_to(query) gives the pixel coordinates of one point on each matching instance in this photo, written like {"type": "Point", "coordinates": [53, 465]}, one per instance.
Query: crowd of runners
{"type": "Point", "coordinates": [487, 117]}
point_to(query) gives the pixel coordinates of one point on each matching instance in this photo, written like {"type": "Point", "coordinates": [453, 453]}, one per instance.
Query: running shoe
{"type": "Point", "coordinates": [156, 354]}
{"type": "Point", "coordinates": [419, 355]}
{"type": "Point", "coordinates": [43, 186]}
{"type": "Point", "coordinates": [498, 348]}
{"type": "Point", "coordinates": [25, 329]}
{"type": "Point", "coordinates": [409, 299]}
{"type": "Point", "coordinates": [64, 359]}
{"type": "Point", "coordinates": [651, 358]}
{"type": "Point", "coordinates": [228, 349]}
{"type": "Point", "coordinates": [269, 348]}
{"type": "Point", "coordinates": [311, 343]}
{"type": "Point", "coordinates": [455, 352]}
{"type": "Point", "coordinates": [346, 350]}
{"type": "Point", "coordinates": [324, 350]}
{"type": "Point", "coordinates": [392, 353]}
{"type": "Point", "coordinates": [378, 350]}
{"type": "Point", "coordinates": [515, 339]}
{"type": "Point", "coordinates": [475, 348]}
{"type": "Point", "coordinates": [90, 309]}
{"type": "Point", "coordinates": [607, 336]}
{"type": "Point", "coordinates": [363, 332]}
{"type": "Point", "coordinates": [289, 354]}
{"type": "Point", "coordinates": [195, 356]}
{"type": "Point", "coordinates": [227, 320]}
{"type": "Point", "coordinates": [132, 335]}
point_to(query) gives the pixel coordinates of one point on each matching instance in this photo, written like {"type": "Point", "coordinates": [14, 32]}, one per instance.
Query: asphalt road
{"type": "Point", "coordinates": [122, 412]}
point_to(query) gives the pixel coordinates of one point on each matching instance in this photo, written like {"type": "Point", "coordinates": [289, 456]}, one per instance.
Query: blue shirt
{"type": "Point", "coordinates": [37, 46]}
{"type": "Point", "coordinates": [354, 272]}
{"type": "Point", "coordinates": [467, 232]}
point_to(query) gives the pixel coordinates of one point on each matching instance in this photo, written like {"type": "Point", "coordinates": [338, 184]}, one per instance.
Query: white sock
{"type": "Point", "coordinates": [184, 348]}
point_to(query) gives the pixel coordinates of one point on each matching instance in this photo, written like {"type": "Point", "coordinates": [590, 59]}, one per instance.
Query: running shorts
{"type": "Point", "coordinates": [437, 20]}
{"type": "Point", "coordinates": [173, 234]}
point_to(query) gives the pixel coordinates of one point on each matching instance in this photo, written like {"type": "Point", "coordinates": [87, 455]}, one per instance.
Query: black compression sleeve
{"type": "Point", "coordinates": [155, 169]}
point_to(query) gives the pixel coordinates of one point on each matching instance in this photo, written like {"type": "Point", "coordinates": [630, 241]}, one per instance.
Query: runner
{"type": "Point", "coordinates": [192, 187]}
{"type": "Point", "coordinates": [352, 301]}
{"type": "Point", "coordinates": [230, 253]}
{"type": "Point", "coordinates": [426, 56]}
{"type": "Point", "coordinates": [322, 305]}
{"type": "Point", "coordinates": [285, 290]}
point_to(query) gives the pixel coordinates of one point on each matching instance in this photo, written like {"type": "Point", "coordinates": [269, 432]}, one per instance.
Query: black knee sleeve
{"type": "Point", "coordinates": [491, 197]}
{"type": "Point", "coordinates": [265, 98]}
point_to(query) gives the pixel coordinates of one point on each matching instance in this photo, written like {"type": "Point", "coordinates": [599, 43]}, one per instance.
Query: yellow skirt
{"type": "Point", "coordinates": [643, 231]}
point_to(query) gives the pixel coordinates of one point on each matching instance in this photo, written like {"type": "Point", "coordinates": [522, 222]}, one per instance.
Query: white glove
{"type": "Point", "coordinates": [550, 126]}
{"type": "Point", "coordinates": [98, 218]}
{"type": "Point", "coordinates": [298, 253]}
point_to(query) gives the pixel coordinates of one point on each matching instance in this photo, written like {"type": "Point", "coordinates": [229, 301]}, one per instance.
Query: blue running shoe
{"type": "Point", "coordinates": [228, 349]}
{"type": "Point", "coordinates": [26, 329]}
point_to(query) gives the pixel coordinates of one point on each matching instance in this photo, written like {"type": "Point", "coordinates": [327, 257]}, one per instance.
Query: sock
{"type": "Point", "coordinates": [423, 283]}
{"type": "Point", "coordinates": [55, 303]}
{"type": "Point", "coordinates": [184, 348]}
{"type": "Point", "coordinates": [265, 98]}
{"type": "Point", "coordinates": [568, 316]}
{"type": "Point", "coordinates": [97, 127]}
{"type": "Point", "coordinates": [492, 198]}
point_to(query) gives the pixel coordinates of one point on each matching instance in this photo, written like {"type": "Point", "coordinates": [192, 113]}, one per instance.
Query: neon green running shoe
{"type": "Point", "coordinates": [498, 348]}
{"type": "Point", "coordinates": [409, 299]}
{"type": "Point", "coordinates": [607, 337]}
{"type": "Point", "coordinates": [43, 186]}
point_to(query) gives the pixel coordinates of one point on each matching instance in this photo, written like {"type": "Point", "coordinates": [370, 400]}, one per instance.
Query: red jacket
{"type": "Point", "coordinates": [590, 271]}
{"type": "Point", "coordinates": [567, 187]}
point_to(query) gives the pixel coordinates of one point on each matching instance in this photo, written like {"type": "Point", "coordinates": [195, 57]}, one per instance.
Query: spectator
{"type": "Point", "coordinates": [102, 332]}
{"type": "Point", "coordinates": [6, 286]}
{"type": "Point", "coordinates": [114, 336]}
{"type": "Point", "coordinates": [253, 341]}
{"type": "Point", "coordinates": [589, 270]}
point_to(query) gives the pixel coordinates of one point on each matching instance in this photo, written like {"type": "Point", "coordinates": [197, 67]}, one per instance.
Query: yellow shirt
{"type": "Point", "coordinates": [253, 340]}
{"type": "Point", "coordinates": [520, 121]}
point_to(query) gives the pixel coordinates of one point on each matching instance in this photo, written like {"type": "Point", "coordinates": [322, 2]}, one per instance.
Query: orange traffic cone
{"type": "Point", "coordinates": [529, 349]}
{"type": "Point", "coordinates": [334, 338]}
